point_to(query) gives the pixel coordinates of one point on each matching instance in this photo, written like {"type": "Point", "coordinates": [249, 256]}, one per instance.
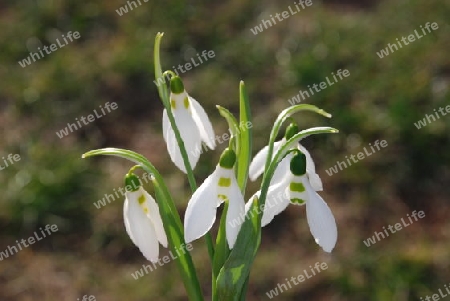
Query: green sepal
{"type": "Point", "coordinates": [132, 182]}
{"type": "Point", "coordinates": [298, 164]}
{"type": "Point", "coordinates": [227, 159]}
{"type": "Point", "coordinates": [176, 85]}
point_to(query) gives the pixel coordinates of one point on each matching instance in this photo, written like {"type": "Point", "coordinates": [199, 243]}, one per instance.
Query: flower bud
{"type": "Point", "coordinates": [291, 130]}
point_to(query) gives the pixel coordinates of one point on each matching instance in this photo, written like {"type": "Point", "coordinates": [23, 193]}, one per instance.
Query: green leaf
{"type": "Point", "coordinates": [169, 214]}
{"type": "Point", "coordinates": [221, 251]}
{"type": "Point", "coordinates": [245, 129]}
{"type": "Point", "coordinates": [234, 274]}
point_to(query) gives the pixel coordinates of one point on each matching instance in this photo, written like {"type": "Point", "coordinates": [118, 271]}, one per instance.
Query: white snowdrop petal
{"type": "Point", "coordinates": [201, 210]}
{"type": "Point", "coordinates": [321, 221]}
{"type": "Point", "coordinates": [258, 163]}
{"type": "Point", "coordinates": [282, 170]}
{"type": "Point", "coordinates": [140, 228]}
{"type": "Point", "coordinates": [236, 212]}
{"type": "Point", "coordinates": [155, 217]}
{"type": "Point", "coordinates": [276, 201]}
{"type": "Point", "coordinates": [191, 138]}
{"type": "Point", "coordinates": [165, 125]}
{"type": "Point", "coordinates": [314, 178]}
{"type": "Point", "coordinates": [203, 123]}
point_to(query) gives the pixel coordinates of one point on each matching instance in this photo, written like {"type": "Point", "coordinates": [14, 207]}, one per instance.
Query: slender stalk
{"type": "Point", "coordinates": [165, 100]}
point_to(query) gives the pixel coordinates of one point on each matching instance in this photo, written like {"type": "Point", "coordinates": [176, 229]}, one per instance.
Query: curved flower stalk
{"type": "Point", "coordinates": [258, 162]}
{"type": "Point", "coordinates": [142, 219]}
{"type": "Point", "coordinates": [295, 188]}
{"type": "Point", "coordinates": [221, 186]}
{"type": "Point", "coordinates": [192, 122]}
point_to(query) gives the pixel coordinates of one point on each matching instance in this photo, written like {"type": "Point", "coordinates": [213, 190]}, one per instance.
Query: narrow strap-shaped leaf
{"type": "Point", "coordinates": [234, 274]}
{"type": "Point", "coordinates": [245, 129]}
{"type": "Point", "coordinates": [222, 251]}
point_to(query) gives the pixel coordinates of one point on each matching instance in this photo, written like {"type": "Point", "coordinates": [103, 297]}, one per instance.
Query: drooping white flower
{"type": "Point", "coordinates": [258, 163]}
{"type": "Point", "coordinates": [295, 188]}
{"type": "Point", "coordinates": [221, 186]}
{"type": "Point", "coordinates": [142, 220]}
{"type": "Point", "coordinates": [192, 122]}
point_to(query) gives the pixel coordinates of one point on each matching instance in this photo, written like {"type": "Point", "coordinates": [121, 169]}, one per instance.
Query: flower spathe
{"type": "Point", "coordinates": [258, 162]}
{"type": "Point", "coordinates": [295, 188]}
{"type": "Point", "coordinates": [192, 122]}
{"type": "Point", "coordinates": [221, 186]}
{"type": "Point", "coordinates": [143, 221]}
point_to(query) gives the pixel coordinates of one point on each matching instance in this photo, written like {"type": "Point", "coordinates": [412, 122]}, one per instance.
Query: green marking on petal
{"type": "Point", "coordinates": [186, 102]}
{"type": "Point", "coordinates": [173, 104]}
{"type": "Point", "coordinates": [223, 197]}
{"type": "Point", "coordinates": [141, 199]}
{"type": "Point", "coordinates": [298, 187]}
{"type": "Point", "coordinates": [298, 201]}
{"type": "Point", "coordinates": [224, 182]}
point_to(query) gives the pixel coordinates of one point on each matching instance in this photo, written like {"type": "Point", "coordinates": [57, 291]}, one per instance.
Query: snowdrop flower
{"type": "Point", "coordinates": [258, 163]}
{"type": "Point", "coordinates": [295, 188]}
{"type": "Point", "coordinates": [192, 122]}
{"type": "Point", "coordinates": [220, 186]}
{"type": "Point", "coordinates": [143, 220]}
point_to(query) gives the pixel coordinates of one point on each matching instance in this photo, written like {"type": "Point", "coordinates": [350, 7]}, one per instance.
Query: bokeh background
{"type": "Point", "coordinates": [112, 61]}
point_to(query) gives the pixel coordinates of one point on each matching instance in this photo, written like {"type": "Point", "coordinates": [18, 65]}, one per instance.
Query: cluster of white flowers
{"type": "Point", "coordinates": [294, 175]}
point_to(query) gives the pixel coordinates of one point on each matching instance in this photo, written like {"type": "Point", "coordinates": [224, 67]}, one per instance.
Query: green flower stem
{"type": "Point", "coordinates": [164, 95]}
{"type": "Point", "coordinates": [282, 152]}
{"type": "Point", "coordinates": [282, 117]}
{"type": "Point", "coordinates": [171, 219]}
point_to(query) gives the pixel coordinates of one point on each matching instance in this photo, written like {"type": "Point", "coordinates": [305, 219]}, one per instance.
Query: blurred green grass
{"type": "Point", "coordinates": [112, 61]}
